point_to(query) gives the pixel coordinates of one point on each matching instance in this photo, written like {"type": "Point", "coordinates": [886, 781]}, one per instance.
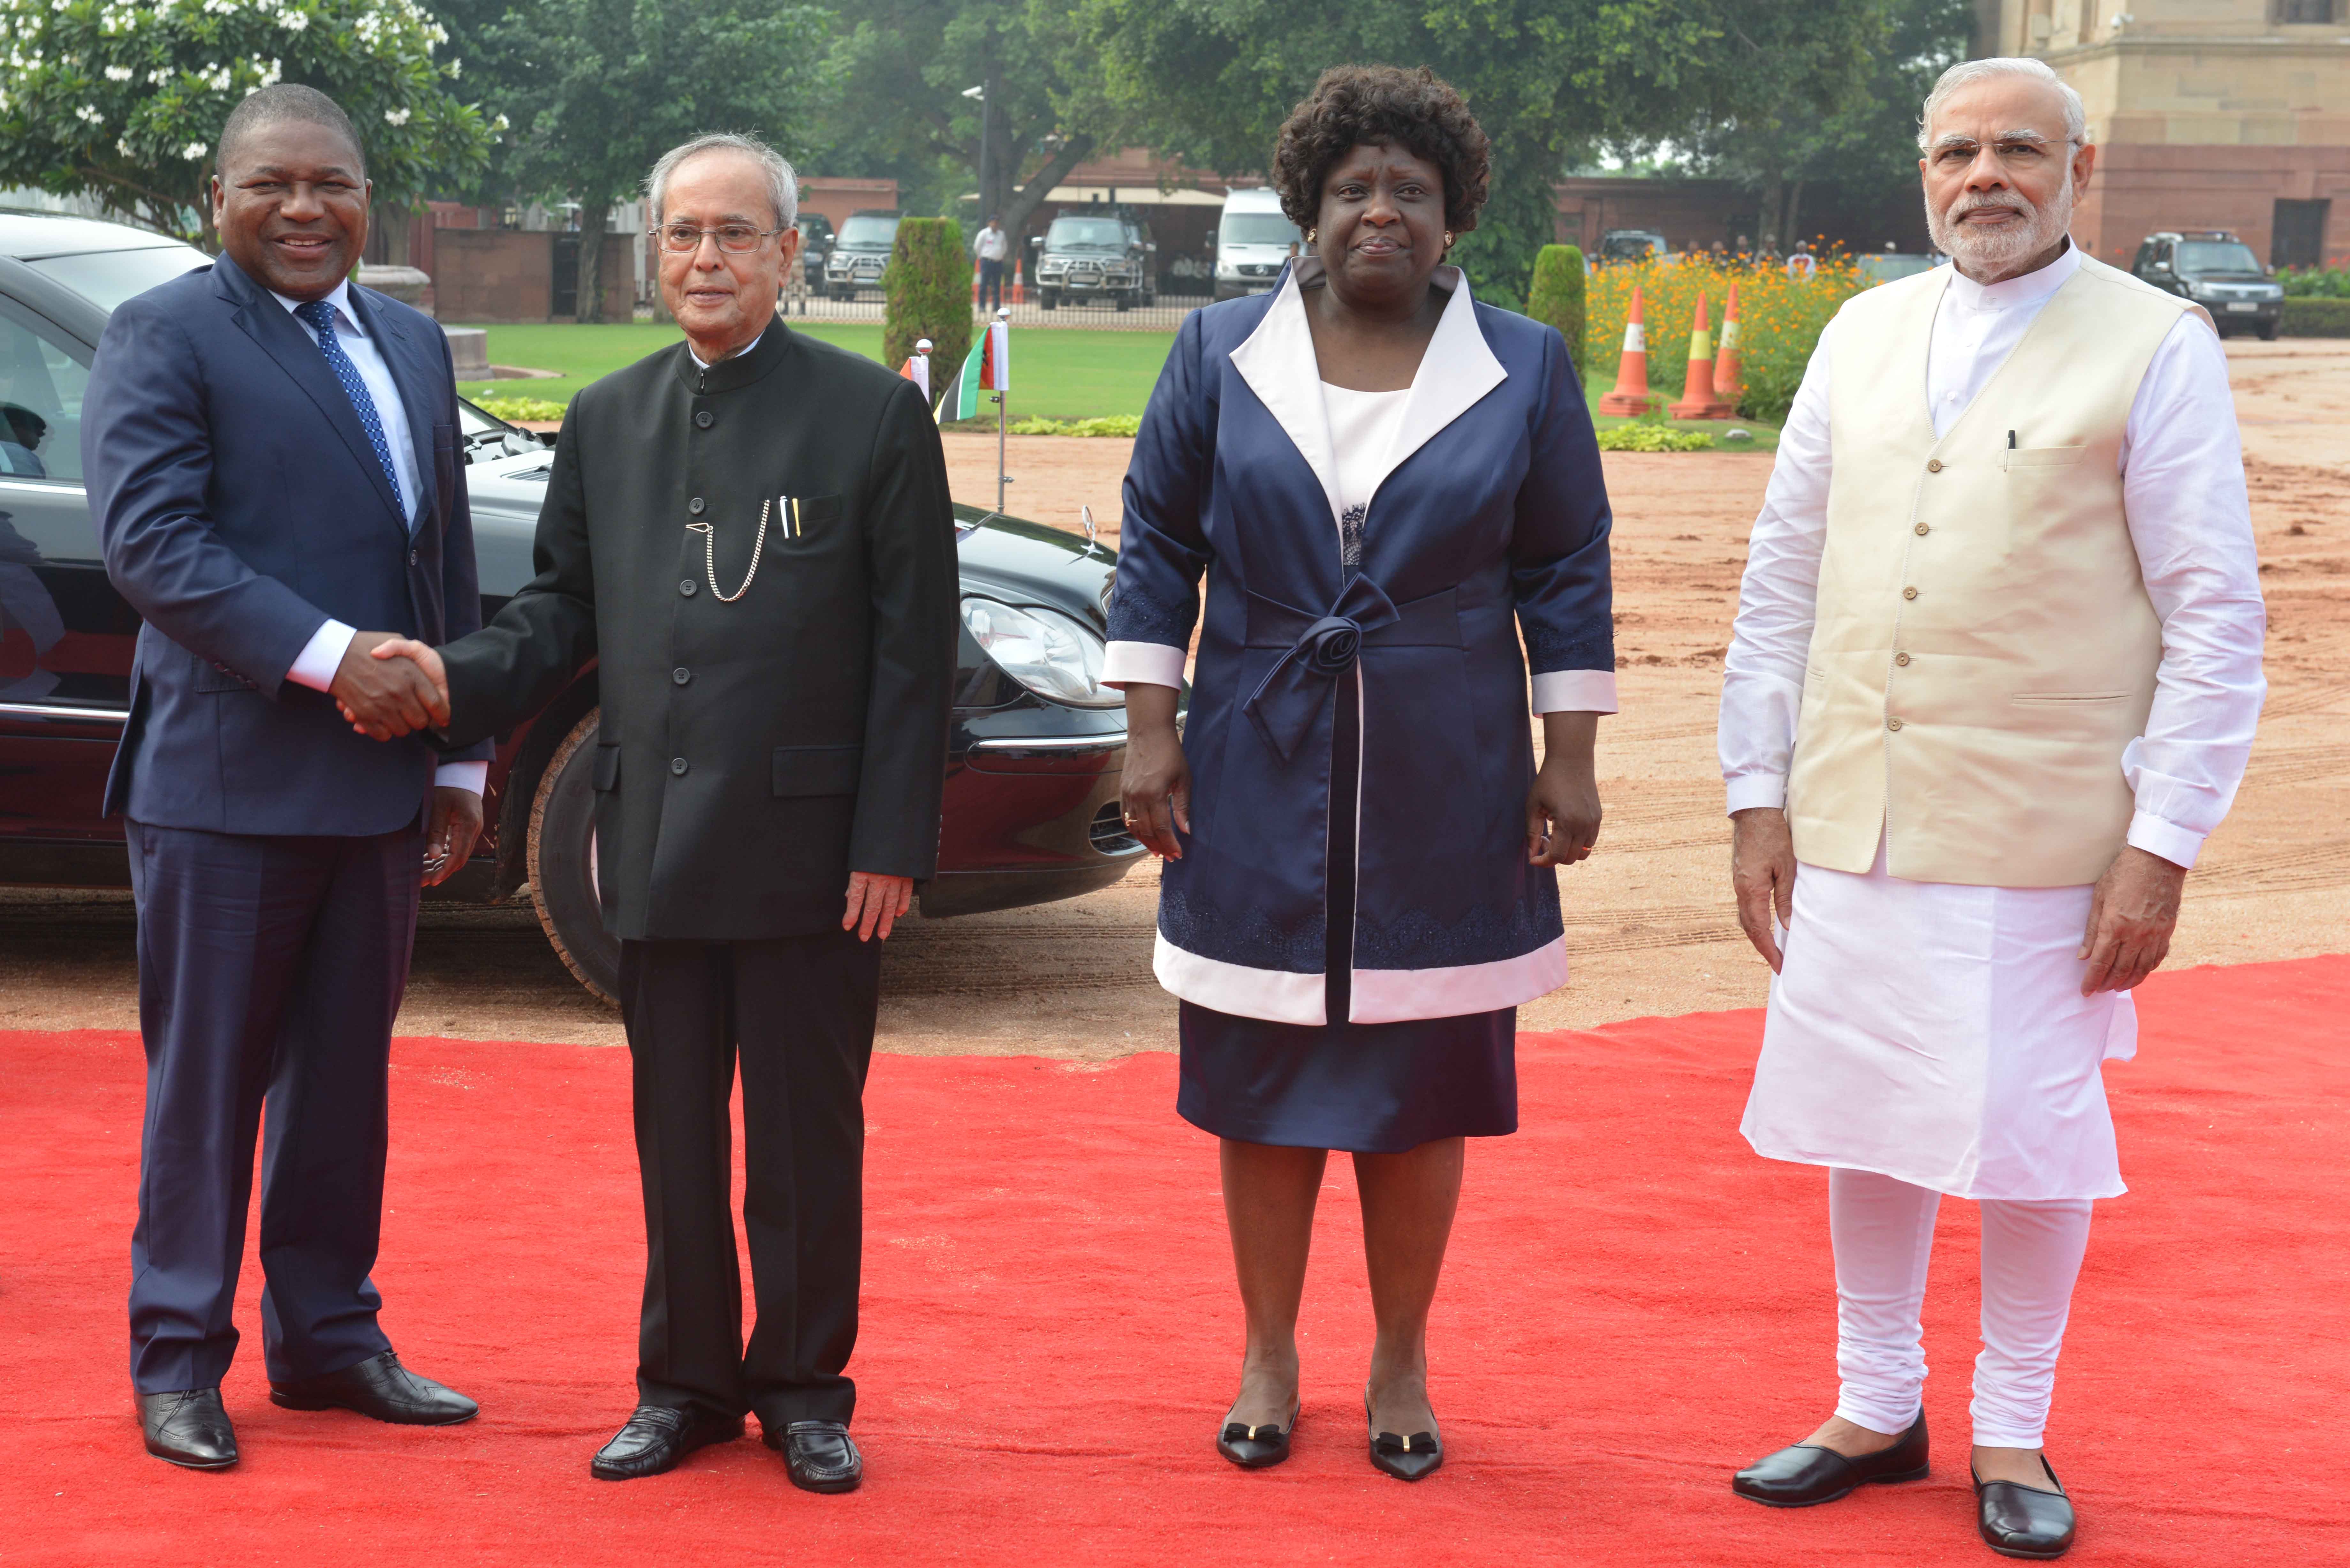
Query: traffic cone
{"type": "Point", "coordinates": [1019, 284]}
{"type": "Point", "coordinates": [975, 286]}
{"type": "Point", "coordinates": [1631, 393]}
{"type": "Point", "coordinates": [1697, 398]}
{"type": "Point", "coordinates": [1728, 376]}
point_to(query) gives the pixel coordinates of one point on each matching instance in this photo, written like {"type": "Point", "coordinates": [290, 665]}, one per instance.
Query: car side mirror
{"type": "Point", "coordinates": [1035, 239]}
{"type": "Point", "coordinates": [2162, 267]}
{"type": "Point", "coordinates": [1152, 249]}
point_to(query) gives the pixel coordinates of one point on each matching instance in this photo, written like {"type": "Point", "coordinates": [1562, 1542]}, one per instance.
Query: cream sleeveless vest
{"type": "Point", "coordinates": [1984, 649]}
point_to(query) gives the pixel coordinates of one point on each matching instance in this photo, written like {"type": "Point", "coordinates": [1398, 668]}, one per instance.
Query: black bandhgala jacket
{"type": "Point", "coordinates": [752, 753]}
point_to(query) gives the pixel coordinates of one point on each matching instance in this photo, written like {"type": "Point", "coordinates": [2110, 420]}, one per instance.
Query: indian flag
{"type": "Point", "coordinates": [986, 368]}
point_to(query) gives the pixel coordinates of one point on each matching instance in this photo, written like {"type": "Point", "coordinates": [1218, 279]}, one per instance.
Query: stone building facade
{"type": "Point", "coordinates": [2208, 114]}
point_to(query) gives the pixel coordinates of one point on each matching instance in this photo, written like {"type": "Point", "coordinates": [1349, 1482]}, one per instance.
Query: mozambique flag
{"type": "Point", "coordinates": [986, 368]}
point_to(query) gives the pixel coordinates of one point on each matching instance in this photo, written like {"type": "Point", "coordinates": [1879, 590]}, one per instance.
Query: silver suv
{"type": "Point", "coordinates": [1087, 256]}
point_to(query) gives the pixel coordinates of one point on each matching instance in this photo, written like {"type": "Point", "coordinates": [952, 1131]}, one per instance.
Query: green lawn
{"type": "Point", "coordinates": [1059, 373]}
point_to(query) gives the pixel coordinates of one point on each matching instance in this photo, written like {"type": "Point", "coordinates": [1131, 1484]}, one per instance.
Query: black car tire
{"type": "Point", "coordinates": [2269, 331]}
{"type": "Point", "coordinates": [1125, 300]}
{"type": "Point", "coordinates": [1047, 298]}
{"type": "Point", "coordinates": [561, 861]}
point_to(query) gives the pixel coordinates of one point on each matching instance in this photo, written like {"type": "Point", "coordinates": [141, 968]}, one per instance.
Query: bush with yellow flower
{"type": "Point", "coordinates": [1780, 314]}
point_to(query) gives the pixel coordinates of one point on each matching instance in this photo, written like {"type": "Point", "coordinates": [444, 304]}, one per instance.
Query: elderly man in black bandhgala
{"type": "Point", "coordinates": [750, 530]}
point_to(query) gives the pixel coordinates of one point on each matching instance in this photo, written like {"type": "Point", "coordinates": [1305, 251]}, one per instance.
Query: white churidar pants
{"type": "Point", "coordinates": [1884, 1233]}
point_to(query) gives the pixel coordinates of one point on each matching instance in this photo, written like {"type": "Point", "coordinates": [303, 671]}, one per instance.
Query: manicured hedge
{"type": "Point", "coordinates": [2307, 317]}
{"type": "Point", "coordinates": [1556, 297]}
{"type": "Point", "coordinates": [928, 291]}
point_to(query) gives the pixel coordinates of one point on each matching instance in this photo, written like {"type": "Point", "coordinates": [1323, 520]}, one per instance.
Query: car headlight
{"type": "Point", "coordinates": [1053, 655]}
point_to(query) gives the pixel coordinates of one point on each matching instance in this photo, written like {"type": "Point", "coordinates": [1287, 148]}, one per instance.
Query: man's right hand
{"type": "Point", "coordinates": [385, 695]}
{"type": "Point", "coordinates": [1763, 873]}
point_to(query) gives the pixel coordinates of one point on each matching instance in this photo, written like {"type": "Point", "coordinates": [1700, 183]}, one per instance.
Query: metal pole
{"type": "Point", "coordinates": [1003, 313]}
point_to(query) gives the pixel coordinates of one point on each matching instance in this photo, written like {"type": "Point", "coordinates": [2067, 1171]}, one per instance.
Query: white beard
{"type": "Point", "coordinates": [1986, 249]}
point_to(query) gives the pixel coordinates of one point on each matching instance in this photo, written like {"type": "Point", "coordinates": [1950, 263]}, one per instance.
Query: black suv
{"type": "Point", "coordinates": [815, 243]}
{"type": "Point", "coordinates": [1107, 255]}
{"type": "Point", "coordinates": [2216, 271]}
{"type": "Point", "coordinates": [861, 253]}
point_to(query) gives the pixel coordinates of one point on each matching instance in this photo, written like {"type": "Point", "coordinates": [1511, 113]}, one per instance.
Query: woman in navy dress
{"type": "Point", "coordinates": [1383, 483]}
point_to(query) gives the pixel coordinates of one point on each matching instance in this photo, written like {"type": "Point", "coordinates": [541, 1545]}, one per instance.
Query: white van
{"type": "Point", "coordinates": [1252, 239]}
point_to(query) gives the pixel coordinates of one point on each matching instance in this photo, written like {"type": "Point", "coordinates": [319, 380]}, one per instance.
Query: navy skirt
{"type": "Point", "coordinates": [1369, 1088]}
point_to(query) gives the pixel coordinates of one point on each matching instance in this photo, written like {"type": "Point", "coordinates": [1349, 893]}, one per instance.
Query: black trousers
{"type": "Point", "coordinates": [798, 1013]}
{"type": "Point", "coordinates": [990, 284]}
{"type": "Point", "coordinates": [270, 969]}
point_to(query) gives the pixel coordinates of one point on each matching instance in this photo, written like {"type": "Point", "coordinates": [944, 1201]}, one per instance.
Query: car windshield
{"type": "Point", "coordinates": [107, 278]}
{"type": "Point", "coordinates": [2216, 255]}
{"type": "Point", "coordinates": [1085, 234]}
{"type": "Point", "coordinates": [1258, 229]}
{"type": "Point", "coordinates": [1633, 245]}
{"type": "Point", "coordinates": [864, 233]}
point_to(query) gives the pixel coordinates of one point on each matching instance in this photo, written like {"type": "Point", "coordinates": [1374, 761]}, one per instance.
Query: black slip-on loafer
{"type": "Point", "coordinates": [382, 1388]}
{"type": "Point", "coordinates": [655, 1437]}
{"type": "Point", "coordinates": [189, 1427]}
{"type": "Point", "coordinates": [1805, 1474]}
{"type": "Point", "coordinates": [2018, 1521]}
{"type": "Point", "coordinates": [818, 1455]}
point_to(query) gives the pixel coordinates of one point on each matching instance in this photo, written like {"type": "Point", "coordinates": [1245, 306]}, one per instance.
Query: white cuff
{"type": "Point", "coordinates": [1575, 692]}
{"type": "Point", "coordinates": [322, 656]}
{"type": "Point", "coordinates": [474, 776]}
{"type": "Point", "coordinates": [1142, 664]}
{"type": "Point", "coordinates": [2178, 845]}
{"type": "Point", "coordinates": [1750, 789]}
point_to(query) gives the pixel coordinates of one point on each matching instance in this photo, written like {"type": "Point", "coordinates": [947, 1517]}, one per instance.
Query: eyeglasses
{"type": "Point", "coordinates": [2009, 150]}
{"type": "Point", "coordinates": [683, 238]}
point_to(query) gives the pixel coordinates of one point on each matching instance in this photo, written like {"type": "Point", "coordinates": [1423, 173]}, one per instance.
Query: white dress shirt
{"type": "Point", "coordinates": [323, 655]}
{"type": "Point", "coordinates": [991, 246]}
{"type": "Point", "coordinates": [2183, 492]}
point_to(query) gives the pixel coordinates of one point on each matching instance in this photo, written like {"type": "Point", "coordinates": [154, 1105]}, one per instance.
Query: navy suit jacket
{"type": "Point", "coordinates": [240, 508]}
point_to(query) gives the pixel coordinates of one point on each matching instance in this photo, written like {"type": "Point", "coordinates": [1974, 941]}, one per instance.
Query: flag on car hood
{"type": "Point", "coordinates": [986, 368]}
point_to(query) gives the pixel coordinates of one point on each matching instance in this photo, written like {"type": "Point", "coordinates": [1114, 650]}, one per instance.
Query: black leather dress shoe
{"type": "Point", "coordinates": [655, 1437]}
{"type": "Point", "coordinates": [1255, 1448]}
{"type": "Point", "coordinates": [2018, 1521]}
{"type": "Point", "coordinates": [1806, 1474]}
{"type": "Point", "coordinates": [1415, 1458]}
{"type": "Point", "coordinates": [190, 1427]}
{"type": "Point", "coordinates": [382, 1388]}
{"type": "Point", "coordinates": [819, 1455]}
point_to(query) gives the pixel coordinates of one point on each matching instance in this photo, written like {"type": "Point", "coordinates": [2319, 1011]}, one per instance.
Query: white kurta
{"type": "Point", "coordinates": [1932, 1032]}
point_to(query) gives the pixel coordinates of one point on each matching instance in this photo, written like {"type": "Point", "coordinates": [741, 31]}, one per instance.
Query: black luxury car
{"type": "Point", "coordinates": [2216, 271]}
{"type": "Point", "coordinates": [1032, 810]}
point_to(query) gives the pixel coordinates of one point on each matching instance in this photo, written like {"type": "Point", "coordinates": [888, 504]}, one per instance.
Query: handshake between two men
{"type": "Point", "coordinates": [388, 686]}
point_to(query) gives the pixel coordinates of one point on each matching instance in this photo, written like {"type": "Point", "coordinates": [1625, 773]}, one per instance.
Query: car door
{"type": "Point", "coordinates": [65, 636]}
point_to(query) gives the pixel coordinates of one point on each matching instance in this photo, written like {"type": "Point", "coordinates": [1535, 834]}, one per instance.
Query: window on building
{"type": "Point", "coordinates": [2297, 234]}
{"type": "Point", "coordinates": [2306, 13]}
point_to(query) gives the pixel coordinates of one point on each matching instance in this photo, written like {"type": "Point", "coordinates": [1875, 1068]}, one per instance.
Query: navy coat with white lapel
{"type": "Point", "coordinates": [1493, 518]}
{"type": "Point", "coordinates": [240, 506]}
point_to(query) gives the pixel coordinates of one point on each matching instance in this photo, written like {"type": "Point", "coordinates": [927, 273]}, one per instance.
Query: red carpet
{"type": "Point", "coordinates": [1634, 1306]}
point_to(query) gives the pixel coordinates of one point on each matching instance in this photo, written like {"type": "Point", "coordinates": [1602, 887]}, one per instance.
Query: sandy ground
{"type": "Point", "coordinates": [1648, 918]}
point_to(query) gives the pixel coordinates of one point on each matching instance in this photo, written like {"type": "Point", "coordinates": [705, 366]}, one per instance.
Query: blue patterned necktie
{"type": "Point", "coordinates": [318, 315]}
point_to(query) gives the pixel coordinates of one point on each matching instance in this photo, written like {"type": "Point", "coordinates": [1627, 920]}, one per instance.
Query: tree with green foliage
{"type": "Point", "coordinates": [1211, 80]}
{"type": "Point", "coordinates": [1556, 297]}
{"type": "Point", "coordinates": [928, 287]}
{"type": "Point", "coordinates": [904, 107]}
{"type": "Point", "coordinates": [125, 101]}
{"type": "Point", "coordinates": [598, 89]}
{"type": "Point", "coordinates": [1861, 141]}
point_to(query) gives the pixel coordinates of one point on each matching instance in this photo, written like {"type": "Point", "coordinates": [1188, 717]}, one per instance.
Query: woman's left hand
{"type": "Point", "coordinates": [1562, 808]}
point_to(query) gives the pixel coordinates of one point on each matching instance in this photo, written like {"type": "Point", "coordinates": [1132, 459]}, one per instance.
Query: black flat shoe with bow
{"type": "Point", "coordinates": [1806, 1473]}
{"type": "Point", "coordinates": [1411, 1458]}
{"type": "Point", "coordinates": [1255, 1448]}
{"type": "Point", "coordinates": [2018, 1521]}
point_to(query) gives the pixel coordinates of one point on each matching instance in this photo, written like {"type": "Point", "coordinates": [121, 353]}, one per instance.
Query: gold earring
{"type": "Point", "coordinates": [1310, 234]}
{"type": "Point", "coordinates": [1448, 239]}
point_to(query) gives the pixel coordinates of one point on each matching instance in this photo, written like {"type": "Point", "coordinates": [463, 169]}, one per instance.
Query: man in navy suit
{"type": "Point", "coordinates": [274, 459]}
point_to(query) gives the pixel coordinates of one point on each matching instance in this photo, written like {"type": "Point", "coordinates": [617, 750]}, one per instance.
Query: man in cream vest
{"type": "Point", "coordinates": [1995, 676]}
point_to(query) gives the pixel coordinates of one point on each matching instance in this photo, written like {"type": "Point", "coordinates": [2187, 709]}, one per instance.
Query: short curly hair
{"type": "Point", "coordinates": [1370, 106]}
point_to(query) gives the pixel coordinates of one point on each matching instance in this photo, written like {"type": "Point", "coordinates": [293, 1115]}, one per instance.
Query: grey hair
{"type": "Point", "coordinates": [782, 185]}
{"type": "Point", "coordinates": [1967, 72]}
